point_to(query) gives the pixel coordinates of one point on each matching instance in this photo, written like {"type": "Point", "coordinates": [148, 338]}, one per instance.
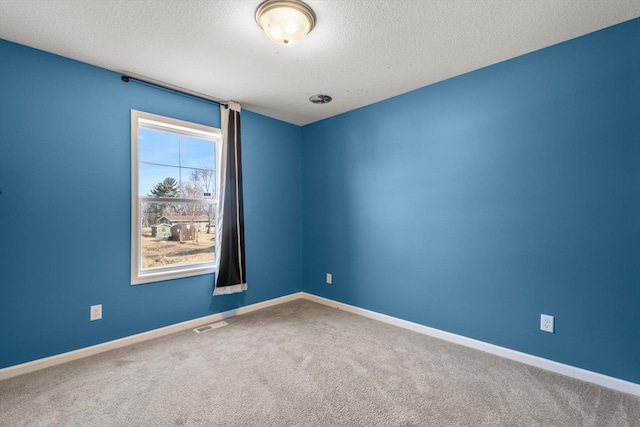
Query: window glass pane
{"type": "Point", "coordinates": [198, 183]}
{"type": "Point", "coordinates": [198, 153]}
{"type": "Point", "coordinates": [158, 181]}
{"type": "Point", "coordinates": [177, 234]}
{"type": "Point", "coordinates": [155, 146]}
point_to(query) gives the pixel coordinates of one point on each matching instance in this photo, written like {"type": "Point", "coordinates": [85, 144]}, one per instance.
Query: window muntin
{"type": "Point", "coordinates": [173, 165]}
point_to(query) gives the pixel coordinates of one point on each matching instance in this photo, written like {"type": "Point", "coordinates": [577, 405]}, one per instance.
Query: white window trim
{"type": "Point", "coordinates": [178, 126]}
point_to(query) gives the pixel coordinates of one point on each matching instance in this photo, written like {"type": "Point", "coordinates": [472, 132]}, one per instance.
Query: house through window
{"type": "Point", "coordinates": [173, 174]}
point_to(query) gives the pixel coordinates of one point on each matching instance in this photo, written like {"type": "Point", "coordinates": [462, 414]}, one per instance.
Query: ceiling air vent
{"type": "Point", "coordinates": [320, 99]}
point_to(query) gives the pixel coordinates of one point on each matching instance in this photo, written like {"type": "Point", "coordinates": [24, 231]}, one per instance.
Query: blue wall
{"type": "Point", "coordinates": [65, 208]}
{"type": "Point", "coordinates": [478, 203]}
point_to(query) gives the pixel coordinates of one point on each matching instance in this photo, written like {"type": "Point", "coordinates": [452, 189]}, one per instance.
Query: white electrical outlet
{"type": "Point", "coordinates": [96, 312]}
{"type": "Point", "coordinates": [329, 278]}
{"type": "Point", "coordinates": [546, 323]}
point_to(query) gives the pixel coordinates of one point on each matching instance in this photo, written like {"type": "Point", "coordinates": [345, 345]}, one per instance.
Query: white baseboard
{"type": "Point", "coordinates": [25, 368]}
{"type": "Point", "coordinates": [549, 365]}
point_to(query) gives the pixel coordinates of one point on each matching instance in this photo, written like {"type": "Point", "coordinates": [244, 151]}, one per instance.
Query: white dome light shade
{"type": "Point", "coordinates": [286, 22]}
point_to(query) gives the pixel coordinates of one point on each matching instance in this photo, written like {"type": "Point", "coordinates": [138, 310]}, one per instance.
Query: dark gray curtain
{"type": "Point", "coordinates": [231, 276]}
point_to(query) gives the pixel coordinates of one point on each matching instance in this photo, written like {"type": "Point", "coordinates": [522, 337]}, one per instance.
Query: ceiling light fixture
{"type": "Point", "coordinates": [285, 21]}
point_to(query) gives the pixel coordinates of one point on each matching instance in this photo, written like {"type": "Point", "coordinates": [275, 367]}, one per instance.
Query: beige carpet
{"type": "Point", "coordinates": [303, 364]}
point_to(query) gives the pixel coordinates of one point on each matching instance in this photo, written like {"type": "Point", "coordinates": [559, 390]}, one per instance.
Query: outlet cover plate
{"type": "Point", "coordinates": [329, 278]}
{"type": "Point", "coordinates": [546, 323]}
{"type": "Point", "coordinates": [96, 312]}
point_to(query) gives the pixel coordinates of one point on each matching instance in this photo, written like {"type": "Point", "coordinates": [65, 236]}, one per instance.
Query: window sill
{"type": "Point", "coordinates": [173, 273]}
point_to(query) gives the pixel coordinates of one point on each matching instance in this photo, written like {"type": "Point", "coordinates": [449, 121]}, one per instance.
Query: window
{"type": "Point", "coordinates": [173, 198]}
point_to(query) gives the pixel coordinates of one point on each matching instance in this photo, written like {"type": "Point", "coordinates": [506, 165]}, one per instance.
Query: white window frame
{"type": "Point", "coordinates": [148, 120]}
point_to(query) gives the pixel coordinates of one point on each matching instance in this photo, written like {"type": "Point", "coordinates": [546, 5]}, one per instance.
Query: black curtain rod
{"type": "Point", "coordinates": [125, 78]}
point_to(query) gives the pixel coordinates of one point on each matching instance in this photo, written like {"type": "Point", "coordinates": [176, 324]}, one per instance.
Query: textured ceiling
{"type": "Point", "coordinates": [360, 52]}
